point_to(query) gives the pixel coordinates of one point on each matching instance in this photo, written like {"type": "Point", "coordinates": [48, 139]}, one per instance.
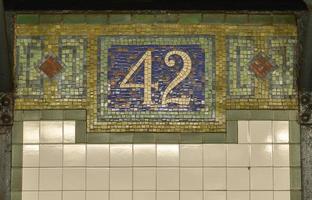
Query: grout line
{"type": "Point", "coordinates": [39, 167]}
{"type": "Point", "coordinates": [132, 170]}
{"type": "Point", "coordinates": [62, 171]}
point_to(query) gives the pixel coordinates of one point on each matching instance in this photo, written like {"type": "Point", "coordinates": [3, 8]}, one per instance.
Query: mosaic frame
{"type": "Point", "coordinates": [204, 26]}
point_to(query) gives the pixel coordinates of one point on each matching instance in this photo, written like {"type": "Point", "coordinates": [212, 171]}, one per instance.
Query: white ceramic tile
{"type": "Point", "coordinates": [97, 179]}
{"type": "Point", "coordinates": [74, 195]}
{"type": "Point", "coordinates": [191, 155]}
{"type": "Point", "coordinates": [214, 178]}
{"type": "Point", "coordinates": [215, 195]}
{"type": "Point", "coordinates": [144, 154]}
{"type": "Point", "coordinates": [121, 155]}
{"type": "Point", "coordinates": [31, 156]}
{"type": "Point", "coordinates": [238, 154]}
{"type": "Point", "coordinates": [51, 155]}
{"type": "Point", "coordinates": [243, 132]}
{"type": "Point", "coordinates": [281, 155]}
{"type": "Point", "coordinates": [280, 131]}
{"type": "Point", "coordinates": [191, 178]}
{"type": "Point", "coordinates": [51, 131]}
{"type": "Point", "coordinates": [30, 179]}
{"type": "Point", "coordinates": [69, 131]}
{"type": "Point", "coordinates": [74, 178]}
{"type": "Point", "coordinates": [121, 178]}
{"type": "Point", "coordinates": [261, 131]}
{"type": "Point", "coordinates": [167, 178]}
{"type": "Point", "coordinates": [120, 195]}
{"type": "Point", "coordinates": [97, 155]}
{"type": "Point", "coordinates": [50, 195]}
{"type": "Point", "coordinates": [50, 179]}
{"type": "Point", "coordinates": [214, 154]}
{"type": "Point", "coordinates": [193, 195]}
{"type": "Point", "coordinates": [144, 178]}
{"type": "Point", "coordinates": [260, 195]}
{"type": "Point", "coordinates": [237, 195]}
{"type": "Point", "coordinates": [144, 195]}
{"type": "Point", "coordinates": [27, 195]}
{"type": "Point", "coordinates": [281, 179]}
{"type": "Point", "coordinates": [167, 195]}
{"type": "Point", "coordinates": [168, 155]}
{"type": "Point", "coordinates": [281, 195]}
{"type": "Point", "coordinates": [261, 155]}
{"type": "Point", "coordinates": [74, 155]}
{"type": "Point", "coordinates": [261, 178]}
{"type": "Point", "coordinates": [238, 178]}
{"type": "Point", "coordinates": [31, 132]}
{"type": "Point", "coordinates": [97, 195]}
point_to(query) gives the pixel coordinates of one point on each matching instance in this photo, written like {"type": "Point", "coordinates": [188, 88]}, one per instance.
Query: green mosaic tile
{"type": "Point", "coordinates": [122, 138]}
{"type": "Point", "coordinates": [236, 19]}
{"type": "Point", "coordinates": [74, 19]}
{"type": "Point", "coordinates": [52, 115]}
{"type": "Point", "coordinates": [75, 114]}
{"type": "Point", "coordinates": [16, 195]}
{"type": "Point", "coordinates": [232, 131]}
{"type": "Point", "coordinates": [143, 19]}
{"type": "Point", "coordinates": [96, 19]}
{"type": "Point", "coordinates": [32, 115]}
{"type": "Point", "coordinates": [213, 18]}
{"type": "Point", "coordinates": [294, 155]}
{"type": "Point", "coordinates": [261, 19]}
{"type": "Point", "coordinates": [167, 18]}
{"type": "Point", "coordinates": [294, 132]}
{"type": "Point", "coordinates": [98, 138]}
{"type": "Point", "coordinates": [119, 18]}
{"type": "Point", "coordinates": [238, 115]}
{"type": "Point", "coordinates": [284, 19]}
{"type": "Point", "coordinates": [261, 115]}
{"type": "Point", "coordinates": [295, 195]}
{"type": "Point", "coordinates": [51, 19]}
{"type": "Point", "coordinates": [281, 115]}
{"type": "Point", "coordinates": [81, 132]}
{"type": "Point", "coordinates": [168, 138]}
{"type": "Point", "coordinates": [27, 19]}
{"type": "Point", "coordinates": [144, 138]}
{"type": "Point", "coordinates": [214, 138]}
{"type": "Point", "coordinates": [16, 179]}
{"type": "Point", "coordinates": [17, 133]}
{"type": "Point", "coordinates": [191, 138]}
{"type": "Point", "coordinates": [293, 115]}
{"type": "Point", "coordinates": [190, 18]}
{"type": "Point", "coordinates": [295, 178]}
{"type": "Point", "coordinates": [18, 115]}
{"type": "Point", "coordinates": [17, 155]}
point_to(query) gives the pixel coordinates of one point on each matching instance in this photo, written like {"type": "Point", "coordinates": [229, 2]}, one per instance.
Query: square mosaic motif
{"type": "Point", "coordinates": [171, 78]}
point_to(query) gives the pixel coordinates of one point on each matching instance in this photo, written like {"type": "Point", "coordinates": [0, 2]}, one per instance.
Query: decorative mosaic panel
{"type": "Point", "coordinates": [29, 53]}
{"type": "Point", "coordinates": [155, 78]}
{"type": "Point", "coordinates": [72, 51]}
{"type": "Point", "coordinates": [143, 83]}
{"type": "Point", "coordinates": [241, 83]}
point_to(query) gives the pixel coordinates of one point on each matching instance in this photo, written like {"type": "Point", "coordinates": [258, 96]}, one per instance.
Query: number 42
{"type": "Point", "coordinates": [148, 85]}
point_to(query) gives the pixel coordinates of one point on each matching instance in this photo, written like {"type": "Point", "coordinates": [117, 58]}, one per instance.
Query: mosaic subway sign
{"type": "Point", "coordinates": [155, 77]}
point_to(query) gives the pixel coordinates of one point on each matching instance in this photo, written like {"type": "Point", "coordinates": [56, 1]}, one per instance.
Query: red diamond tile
{"type": "Point", "coordinates": [51, 67]}
{"type": "Point", "coordinates": [261, 65]}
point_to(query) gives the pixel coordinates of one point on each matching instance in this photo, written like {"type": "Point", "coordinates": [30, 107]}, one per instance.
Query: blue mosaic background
{"type": "Point", "coordinates": [122, 57]}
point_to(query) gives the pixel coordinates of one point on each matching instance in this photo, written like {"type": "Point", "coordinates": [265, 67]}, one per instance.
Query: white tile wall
{"type": "Point", "coordinates": [55, 168]}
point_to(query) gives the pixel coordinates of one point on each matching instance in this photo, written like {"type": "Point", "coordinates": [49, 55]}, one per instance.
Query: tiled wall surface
{"type": "Point", "coordinates": [196, 66]}
{"type": "Point", "coordinates": [48, 165]}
